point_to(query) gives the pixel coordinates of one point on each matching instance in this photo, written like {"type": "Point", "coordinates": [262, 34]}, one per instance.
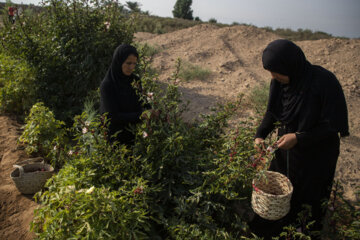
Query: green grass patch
{"type": "Point", "coordinates": [190, 71]}
{"type": "Point", "coordinates": [258, 98]}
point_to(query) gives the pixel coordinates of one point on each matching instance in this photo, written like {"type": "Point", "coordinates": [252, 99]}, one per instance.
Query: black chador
{"type": "Point", "coordinates": [119, 98]}
{"type": "Point", "coordinates": [312, 105]}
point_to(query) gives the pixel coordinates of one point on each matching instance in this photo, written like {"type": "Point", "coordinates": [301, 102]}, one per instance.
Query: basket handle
{"type": "Point", "coordinates": [21, 170]}
{"type": "Point", "coordinates": [37, 159]}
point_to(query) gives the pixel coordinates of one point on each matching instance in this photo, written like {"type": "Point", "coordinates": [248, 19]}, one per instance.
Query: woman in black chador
{"type": "Point", "coordinates": [118, 96]}
{"type": "Point", "coordinates": [309, 103]}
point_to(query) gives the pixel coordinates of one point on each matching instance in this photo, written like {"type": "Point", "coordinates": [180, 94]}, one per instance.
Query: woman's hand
{"type": "Point", "coordinates": [287, 141]}
{"type": "Point", "coordinates": [259, 144]}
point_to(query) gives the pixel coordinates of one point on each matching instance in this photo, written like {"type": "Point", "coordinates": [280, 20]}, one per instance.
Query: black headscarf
{"type": "Point", "coordinates": [115, 73]}
{"type": "Point", "coordinates": [118, 96]}
{"type": "Point", "coordinates": [295, 103]}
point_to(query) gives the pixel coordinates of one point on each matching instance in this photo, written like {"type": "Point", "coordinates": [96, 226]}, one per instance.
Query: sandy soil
{"type": "Point", "coordinates": [16, 210]}
{"type": "Point", "coordinates": [233, 54]}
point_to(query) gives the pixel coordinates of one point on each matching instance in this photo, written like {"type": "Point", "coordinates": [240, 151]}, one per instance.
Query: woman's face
{"type": "Point", "coordinates": [280, 78]}
{"type": "Point", "coordinates": [129, 65]}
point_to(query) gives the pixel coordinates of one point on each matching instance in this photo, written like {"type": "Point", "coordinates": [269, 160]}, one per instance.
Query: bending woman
{"type": "Point", "coordinates": [118, 96]}
{"type": "Point", "coordinates": [309, 103]}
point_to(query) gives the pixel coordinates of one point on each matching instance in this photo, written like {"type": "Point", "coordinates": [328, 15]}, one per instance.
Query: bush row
{"type": "Point", "coordinates": [68, 47]}
{"type": "Point", "coordinates": [179, 181]}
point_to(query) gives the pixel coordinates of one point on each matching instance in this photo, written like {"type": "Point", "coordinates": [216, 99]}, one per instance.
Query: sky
{"type": "Point", "coordinates": [339, 18]}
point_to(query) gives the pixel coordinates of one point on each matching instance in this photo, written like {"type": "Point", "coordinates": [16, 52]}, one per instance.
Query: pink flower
{"type": "Point", "coordinates": [107, 25]}
{"type": "Point", "coordinates": [270, 149]}
{"type": "Point", "coordinates": [139, 190]}
{"type": "Point", "coordinates": [150, 96]}
{"type": "Point", "coordinates": [84, 130]}
{"type": "Point", "coordinates": [145, 134]}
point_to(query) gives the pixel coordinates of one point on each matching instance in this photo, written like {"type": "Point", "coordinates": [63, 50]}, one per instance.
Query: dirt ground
{"type": "Point", "coordinates": [16, 210]}
{"type": "Point", "coordinates": [233, 55]}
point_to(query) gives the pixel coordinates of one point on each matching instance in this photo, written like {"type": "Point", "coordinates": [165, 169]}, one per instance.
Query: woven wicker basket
{"type": "Point", "coordinates": [30, 178]}
{"type": "Point", "coordinates": [271, 196]}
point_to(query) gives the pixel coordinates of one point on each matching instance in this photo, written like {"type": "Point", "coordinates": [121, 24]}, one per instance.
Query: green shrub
{"type": "Point", "coordinates": [43, 134]}
{"type": "Point", "coordinates": [159, 25]}
{"type": "Point", "coordinates": [212, 20]}
{"type": "Point", "coordinates": [17, 86]}
{"type": "Point", "coordinates": [99, 193]}
{"type": "Point", "coordinates": [146, 54]}
{"type": "Point", "coordinates": [84, 211]}
{"type": "Point", "coordinates": [69, 44]}
{"type": "Point", "coordinates": [184, 158]}
{"type": "Point", "coordinates": [167, 177]}
{"type": "Point", "coordinates": [343, 218]}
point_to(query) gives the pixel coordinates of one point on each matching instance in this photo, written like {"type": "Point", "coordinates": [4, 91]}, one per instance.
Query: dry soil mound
{"type": "Point", "coordinates": [233, 54]}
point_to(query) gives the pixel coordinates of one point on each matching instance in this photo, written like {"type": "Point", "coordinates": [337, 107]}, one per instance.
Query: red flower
{"type": "Point", "coordinates": [232, 154]}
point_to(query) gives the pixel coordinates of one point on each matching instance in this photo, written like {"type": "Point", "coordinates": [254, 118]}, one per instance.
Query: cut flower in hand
{"type": "Point", "coordinates": [261, 161]}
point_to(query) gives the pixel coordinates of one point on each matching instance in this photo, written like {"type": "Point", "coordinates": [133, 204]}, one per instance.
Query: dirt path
{"type": "Point", "coordinates": [16, 210]}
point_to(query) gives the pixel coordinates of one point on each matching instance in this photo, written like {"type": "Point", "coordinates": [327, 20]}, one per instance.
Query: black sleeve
{"type": "Point", "coordinates": [108, 106]}
{"type": "Point", "coordinates": [333, 114]}
{"type": "Point", "coordinates": [266, 126]}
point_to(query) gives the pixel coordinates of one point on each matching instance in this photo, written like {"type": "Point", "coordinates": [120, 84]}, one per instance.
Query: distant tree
{"type": "Point", "coordinates": [212, 20]}
{"type": "Point", "coordinates": [197, 19]}
{"type": "Point", "coordinates": [182, 9]}
{"type": "Point", "coordinates": [133, 6]}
